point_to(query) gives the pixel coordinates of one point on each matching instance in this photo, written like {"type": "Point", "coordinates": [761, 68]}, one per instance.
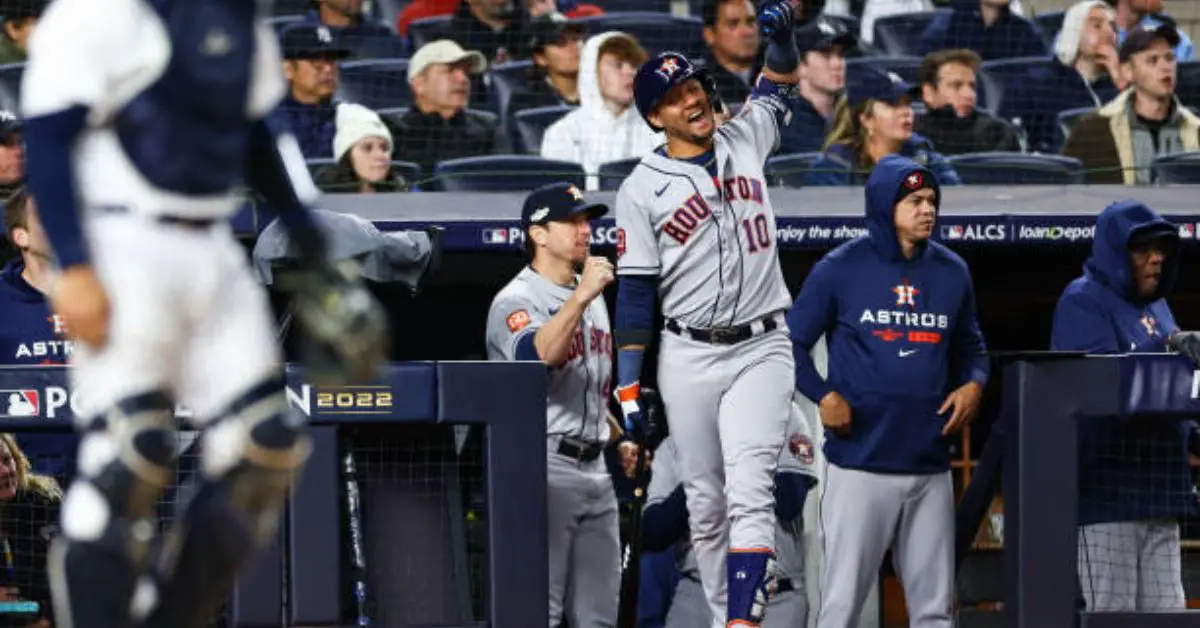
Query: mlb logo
{"type": "Point", "coordinates": [495, 236]}
{"type": "Point", "coordinates": [1187, 231]}
{"type": "Point", "coordinates": [953, 232]}
{"type": "Point", "coordinates": [20, 403]}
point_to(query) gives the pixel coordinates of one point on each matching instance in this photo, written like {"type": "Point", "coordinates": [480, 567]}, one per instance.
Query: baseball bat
{"type": "Point", "coordinates": [631, 557]}
{"type": "Point", "coordinates": [358, 557]}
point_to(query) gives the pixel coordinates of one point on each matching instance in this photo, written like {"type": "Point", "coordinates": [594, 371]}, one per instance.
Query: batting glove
{"type": "Point", "coordinates": [637, 424]}
{"type": "Point", "coordinates": [776, 20]}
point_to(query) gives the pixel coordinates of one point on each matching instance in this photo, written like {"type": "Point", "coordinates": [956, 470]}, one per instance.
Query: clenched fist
{"type": "Point", "coordinates": [597, 274]}
{"type": "Point", "coordinates": [835, 413]}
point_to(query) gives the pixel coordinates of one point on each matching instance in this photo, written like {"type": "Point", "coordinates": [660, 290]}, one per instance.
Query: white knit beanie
{"type": "Point", "coordinates": [1066, 46]}
{"type": "Point", "coordinates": [354, 122]}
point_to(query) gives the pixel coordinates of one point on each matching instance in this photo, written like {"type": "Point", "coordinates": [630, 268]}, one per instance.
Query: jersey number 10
{"type": "Point", "coordinates": [758, 233]}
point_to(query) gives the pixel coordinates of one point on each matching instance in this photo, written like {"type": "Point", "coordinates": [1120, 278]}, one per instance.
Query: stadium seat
{"type": "Point", "coordinates": [425, 30]}
{"type": "Point", "coordinates": [531, 125]}
{"type": "Point", "coordinates": [1015, 168]}
{"type": "Point", "coordinates": [900, 35]}
{"type": "Point", "coordinates": [655, 31]}
{"type": "Point", "coordinates": [291, 7]}
{"type": "Point", "coordinates": [10, 81]}
{"type": "Point", "coordinates": [280, 22]}
{"type": "Point", "coordinates": [997, 77]}
{"type": "Point", "coordinates": [411, 172]}
{"type": "Point", "coordinates": [317, 165]}
{"type": "Point", "coordinates": [614, 172]}
{"type": "Point", "coordinates": [1187, 85]}
{"type": "Point", "coordinates": [789, 170]}
{"type": "Point", "coordinates": [504, 81]}
{"type": "Point", "coordinates": [376, 83]}
{"type": "Point", "coordinates": [1067, 120]}
{"type": "Point", "coordinates": [1050, 22]}
{"type": "Point", "coordinates": [1179, 168]}
{"type": "Point", "coordinates": [504, 173]}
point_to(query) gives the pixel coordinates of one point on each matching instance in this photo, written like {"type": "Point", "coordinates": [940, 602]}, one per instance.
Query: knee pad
{"type": "Point", "coordinates": [751, 580]}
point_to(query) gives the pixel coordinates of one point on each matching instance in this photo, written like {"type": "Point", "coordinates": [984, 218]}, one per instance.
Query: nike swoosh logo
{"type": "Point", "coordinates": [664, 189]}
{"type": "Point", "coordinates": [904, 353]}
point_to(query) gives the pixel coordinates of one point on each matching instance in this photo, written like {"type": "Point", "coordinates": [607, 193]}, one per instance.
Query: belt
{"type": "Point", "coordinates": [196, 224]}
{"type": "Point", "coordinates": [579, 451]}
{"type": "Point", "coordinates": [726, 335]}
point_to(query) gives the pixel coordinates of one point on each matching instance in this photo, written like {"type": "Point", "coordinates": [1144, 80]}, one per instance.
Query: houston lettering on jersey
{"type": "Point", "coordinates": [694, 210]}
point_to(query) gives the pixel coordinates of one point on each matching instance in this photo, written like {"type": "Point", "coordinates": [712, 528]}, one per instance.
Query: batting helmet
{"type": "Point", "coordinates": [664, 71]}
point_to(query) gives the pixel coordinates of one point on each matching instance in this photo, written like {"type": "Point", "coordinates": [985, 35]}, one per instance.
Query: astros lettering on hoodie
{"type": "Point", "coordinates": [1127, 470]}
{"type": "Point", "coordinates": [31, 334]}
{"type": "Point", "coordinates": [591, 135]}
{"type": "Point", "coordinates": [901, 333]}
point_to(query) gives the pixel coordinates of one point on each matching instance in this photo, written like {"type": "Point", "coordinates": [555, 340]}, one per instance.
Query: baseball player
{"type": "Point", "coordinates": [665, 525]}
{"type": "Point", "coordinates": [697, 231]}
{"type": "Point", "coordinates": [907, 367]}
{"type": "Point", "coordinates": [142, 122]}
{"type": "Point", "coordinates": [1134, 480]}
{"type": "Point", "coordinates": [554, 313]}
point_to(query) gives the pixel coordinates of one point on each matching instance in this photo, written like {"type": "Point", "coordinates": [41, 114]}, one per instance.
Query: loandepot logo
{"type": "Point", "coordinates": [1068, 234]}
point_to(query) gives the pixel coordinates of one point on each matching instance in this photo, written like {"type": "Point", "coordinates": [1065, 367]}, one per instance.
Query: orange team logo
{"type": "Point", "coordinates": [669, 66]}
{"type": "Point", "coordinates": [906, 294]}
{"type": "Point", "coordinates": [518, 320]}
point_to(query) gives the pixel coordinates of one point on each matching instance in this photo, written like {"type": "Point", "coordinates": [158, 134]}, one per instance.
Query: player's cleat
{"type": "Point", "coordinates": [752, 583]}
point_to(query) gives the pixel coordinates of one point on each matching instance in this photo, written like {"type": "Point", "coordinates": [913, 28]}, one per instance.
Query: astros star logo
{"type": "Point", "coordinates": [1149, 323]}
{"type": "Point", "coordinates": [669, 66]}
{"type": "Point", "coordinates": [906, 294]}
{"type": "Point", "coordinates": [575, 193]}
{"type": "Point", "coordinates": [914, 181]}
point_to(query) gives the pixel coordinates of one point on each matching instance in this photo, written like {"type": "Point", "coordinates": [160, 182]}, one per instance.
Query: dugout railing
{"type": "Point", "coordinates": [1032, 456]}
{"type": "Point", "coordinates": [302, 579]}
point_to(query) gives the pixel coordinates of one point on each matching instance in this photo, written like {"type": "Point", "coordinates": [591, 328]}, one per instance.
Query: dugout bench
{"type": "Point", "coordinates": [300, 581]}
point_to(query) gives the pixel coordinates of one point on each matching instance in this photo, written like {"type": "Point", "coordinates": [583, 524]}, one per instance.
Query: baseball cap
{"type": "Point", "coordinates": [557, 202]}
{"type": "Point", "coordinates": [444, 51]}
{"type": "Point", "coordinates": [311, 41]}
{"type": "Point", "coordinates": [548, 29]}
{"type": "Point", "coordinates": [875, 85]}
{"type": "Point", "coordinates": [1140, 37]}
{"type": "Point", "coordinates": [824, 33]}
{"type": "Point", "coordinates": [19, 9]}
{"type": "Point", "coordinates": [10, 124]}
{"type": "Point", "coordinates": [1154, 232]}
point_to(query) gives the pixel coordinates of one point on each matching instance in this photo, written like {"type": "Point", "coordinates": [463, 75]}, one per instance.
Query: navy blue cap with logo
{"type": "Point", "coordinates": [823, 34]}
{"type": "Point", "coordinates": [311, 41]}
{"type": "Point", "coordinates": [875, 85]}
{"type": "Point", "coordinates": [557, 202]}
{"type": "Point", "coordinates": [663, 72]}
{"type": "Point", "coordinates": [10, 125]}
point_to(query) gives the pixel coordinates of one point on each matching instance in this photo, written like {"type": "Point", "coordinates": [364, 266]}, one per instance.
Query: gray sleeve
{"type": "Point", "coordinates": [799, 452]}
{"type": "Point", "coordinates": [665, 476]}
{"type": "Point", "coordinates": [511, 318]}
{"type": "Point", "coordinates": [637, 247]}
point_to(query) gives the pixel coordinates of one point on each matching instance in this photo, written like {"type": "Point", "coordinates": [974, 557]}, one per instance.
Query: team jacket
{"type": "Point", "coordinates": [1127, 470]}
{"type": "Point", "coordinates": [901, 335]}
{"type": "Point", "coordinates": [31, 334]}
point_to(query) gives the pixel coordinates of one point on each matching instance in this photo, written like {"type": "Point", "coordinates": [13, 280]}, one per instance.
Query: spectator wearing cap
{"type": "Point", "coordinates": [20, 17]}
{"type": "Point", "coordinates": [823, 44]}
{"type": "Point", "coordinates": [1084, 72]}
{"type": "Point", "coordinates": [554, 77]}
{"type": "Point", "coordinates": [310, 58]}
{"type": "Point", "coordinates": [1133, 13]}
{"type": "Point", "coordinates": [951, 120]}
{"type": "Point", "coordinates": [1118, 143]}
{"type": "Point", "coordinates": [873, 120]}
{"type": "Point", "coordinates": [731, 34]}
{"type": "Point", "coordinates": [420, 9]}
{"type": "Point", "coordinates": [496, 28]}
{"type": "Point", "coordinates": [439, 126]}
{"type": "Point", "coordinates": [364, 39]}
{"type": "Point", "coordinates": [12, 153]}
{"type": "Point", "coordinates": [988, 27]}
{"type": "Point", "coordinates": [607, 126]}
{"type": "Point", "coordinates": [363, 150]}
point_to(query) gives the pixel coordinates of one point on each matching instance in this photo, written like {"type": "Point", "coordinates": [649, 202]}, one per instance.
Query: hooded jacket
{"type": "Point", "coordinates": [902, 334]}
{"type": "Point", "coordinates": [1128, 470]}
{"type": "Point", "coordinates": [1011, 35]}
{"type": "Point", "coordinates": [29, 335]}
{"type": "Point", "coordinates": [838, 165]}
{"type": "Point", "coordinates": [592, 135]}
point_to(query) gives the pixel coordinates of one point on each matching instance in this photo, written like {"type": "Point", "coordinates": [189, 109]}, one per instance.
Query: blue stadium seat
{"type": "Point", "coordinates": [425, 30]}
{"type": "Point", "coordinates": [1178, 168]}
{"type": "Point", "coordinates": [1187, 85]}
{"type": "Point", "coordinates": [1067, 120]}
{"type": "Point", "coordinates": [505, 173]}
{"type": "Point", "coordinates": [291, 7]}
{"type": "Point", "coordinates": [789, 170]}
{"type": "Point", "coordinates": [411, 172]}
{"type": "Point", "coordinates": [900, 35]}
{"type": "Point", "coordinates": [531, 124]}
{"type": "Point", "coordinates": [655, 31]}
{"type": "Point", "coordinates": [318, 164]}
{"type": "Point", "coordinates": [614, 172]}
{"type": "Point", "coordinates": [376, 83]}
{"type": "Point", "coordinates": [1050, 22]}
{"type": "Point", "coordinates": [997, 77]}
{"type": "Point", "coordinates": [504, 80]}
{"type": "Point", "coordinates": [1015, 168]}
{"type": "Point", "coordinates": [280, 22]}
{"type": "Point", "coordinates": [625, 6]}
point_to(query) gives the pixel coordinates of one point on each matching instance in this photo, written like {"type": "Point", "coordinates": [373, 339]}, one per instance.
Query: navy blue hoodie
{"type": "Point", "coordinates": [30, 334]}
{"type": "Point", "coordinates": [902, 334]}
{"type": "Point", "coordinates": [1011, 35]}
{"type": "Point", "coordinates": [1127, 470]}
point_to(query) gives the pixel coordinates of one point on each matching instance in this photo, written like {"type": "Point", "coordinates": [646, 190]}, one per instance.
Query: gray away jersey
{"type": "Point", "coordinates": [797, 456]}
{"type": "Point", "coordinates": [577, 397]}
{"type": "Point", "coordinates": [710, 242]}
